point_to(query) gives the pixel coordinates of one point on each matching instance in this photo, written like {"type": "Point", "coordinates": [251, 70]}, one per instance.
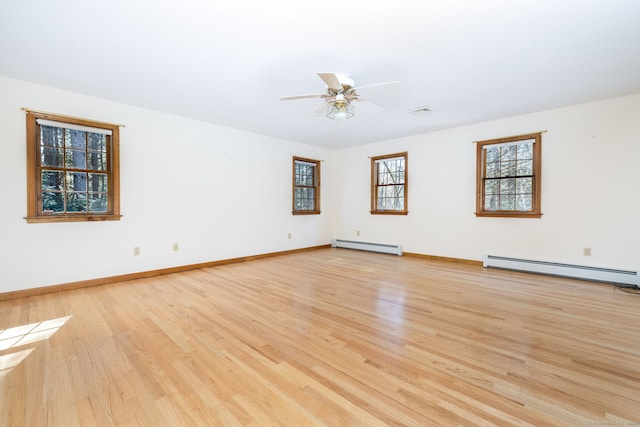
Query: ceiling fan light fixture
{"type": "Point", "coordinates": [340, 110]}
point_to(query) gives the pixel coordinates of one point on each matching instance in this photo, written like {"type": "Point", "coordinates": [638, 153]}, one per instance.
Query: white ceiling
{"type": "Point", "coordinates": [229, 62]}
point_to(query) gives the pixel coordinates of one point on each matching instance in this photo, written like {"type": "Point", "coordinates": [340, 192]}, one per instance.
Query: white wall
{"type": "Point", "coordinates": [222, 193]}
{"type": "Point", "coordinates": [218, 192]}
{"type": "Point", "coordinates": [590, 190]}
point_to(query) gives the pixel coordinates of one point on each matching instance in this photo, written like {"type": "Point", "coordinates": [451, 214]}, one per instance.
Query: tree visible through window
{"type": "Point", "coordinates": [306, 186]}
{"type": "Point", "coordinates": [389, 184]}
{"type": "Point", "coordinates": [72, 169]}
{"type": "Point", "coordinates": [508, 176]}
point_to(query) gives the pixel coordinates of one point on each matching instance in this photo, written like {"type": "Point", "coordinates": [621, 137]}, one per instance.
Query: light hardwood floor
{"type": "Point", "coordinates": [328, 337]}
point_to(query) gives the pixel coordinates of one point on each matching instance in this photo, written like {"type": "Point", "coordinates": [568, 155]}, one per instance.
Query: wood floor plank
{"type": "Point", "coordinates": [330, 337]}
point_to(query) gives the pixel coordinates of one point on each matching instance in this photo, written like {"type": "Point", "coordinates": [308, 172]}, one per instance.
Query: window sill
{"type": "Point", "coordinates": [71, 218]}
{"type": "Point", "coordinates": [389, 212]}
{"type": "Point", "coordinates": [305, 213]}
{"type": "Point", "coordinates": [509, 214]}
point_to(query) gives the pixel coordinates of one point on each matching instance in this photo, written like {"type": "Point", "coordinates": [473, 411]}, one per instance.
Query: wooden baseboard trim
{"type": "Point", "coordinates": [444, 258]}
{"type": "Point", "coordinates": [144, 274]}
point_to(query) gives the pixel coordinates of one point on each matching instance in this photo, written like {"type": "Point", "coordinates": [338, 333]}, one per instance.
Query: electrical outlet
{"type": "Point", "coordinates": [358, 233]}
{"type": "Point", "coordinates": [136, 251]}
{"type": "Point", "coordinates": [289, 235]}
{"type": "Point", "coordinates": [586, 251]}
{"type": "Point", "coordinates": [176, 247]}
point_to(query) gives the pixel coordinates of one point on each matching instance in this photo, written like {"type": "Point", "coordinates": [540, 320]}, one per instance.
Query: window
{"type": "Point", "coordinates": [306, 186]}
{"type": "Point", "coordinates": [73, 169]}
{"type": "Point", "coordinates": [389, 184]}
{"type": "Point", "coordinates": [508, 177]}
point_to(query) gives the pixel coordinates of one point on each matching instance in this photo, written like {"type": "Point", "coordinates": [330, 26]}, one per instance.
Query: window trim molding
{"type": "Point", "coordinates": [34, 191]}
{"type": "Point", "coordinates": [374, 186]}
{"type": "Point", "coordinates": [316, 200]}
{"type": "Point", "coordinates": [536, 211]}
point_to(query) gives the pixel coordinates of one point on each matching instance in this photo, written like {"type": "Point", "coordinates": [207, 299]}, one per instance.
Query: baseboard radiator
{"type": "Point", "coordinates": [596, 274]}
{"type": "Point", "coordinates": [364, 246]}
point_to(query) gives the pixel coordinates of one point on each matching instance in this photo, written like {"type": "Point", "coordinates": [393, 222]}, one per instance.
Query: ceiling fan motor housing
{"type": "Point", "coordinates": [345, 81]}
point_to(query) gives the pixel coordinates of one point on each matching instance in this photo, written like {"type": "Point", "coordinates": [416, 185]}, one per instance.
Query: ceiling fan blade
{"type": "Point", "coordinates": [369, 102]}
{"type": "Point", "coordinates": [377, 86]}
{"type": "Point", "coordinates": [289, 98]}
{"type": "Point", "coordinates": [331, 80]}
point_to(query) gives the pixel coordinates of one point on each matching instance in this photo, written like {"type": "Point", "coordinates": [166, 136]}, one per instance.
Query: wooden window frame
{"type": "Point", "coordinates": [535, 211]}
{"type": "Point", "coordinates": [374, 184]}
{"type": "Point", "coordinates": [316, 187]}
{"type": "Point", "coordinates": [35, 213]}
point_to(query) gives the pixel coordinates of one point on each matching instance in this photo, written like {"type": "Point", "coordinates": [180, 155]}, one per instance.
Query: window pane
{"type": "Point", "coordinates": [390, 171]}
{"type": "Point", "coordinates": [383, 175]}
{"type": "Point", "coordinates": [76, 202]}
{"type": "Point", "coordinates": [51, 136]}
{"type": "Point", "coordinates": [382, 200]}
{"type": "Point", "coordinates": [524, 202]}
{"type": "Point", "coordinates": [76, 139]}
{"type": "Point", "coordinates": [98, 182]}
{"type": "Point", "coordinates": [493, 170]}
{"type": "Point", "coordinates": [97, 141]}
{"type": "Point", "coordinates": [52, 180]}
{"type": "Point", "coordinates": [76, 181]}
{"type": "Point", "coordinates": [98, 202]}
{"type": "Point", "coordinates": [508, 169]}
{"type": "Point", "coordinates": [97, 160]}
{"type": "Point", "coordinates": [491, 202]}
{"type": "Point", "coordinates": [508, 152]}
{"type": "Point", "coordinates": [50, 156]}
{"type": "Point", "coordinates": [493, 154]}
{"type": "Point", "coordinates": [525, 167]}
{"type": "Point", "coordinates": [76, 159]}
{"type": "Point", "coordinates": [305, 174]}
{"type": "Point", "coordinates": [491, 186]}
{"type": "Point", "coordinates": [525, 150]}
{"type": "Point", "coordinates": [391, 197]}
{"type": "Point", "coordinates": [305, 199]}
{"type": "Point", "coordinates": [308, 176]}
{"type": "Point", "coordinates": [299, 174]}
{"type": "Point", "coordinates": [383, 178]}
{"type": "Point", "coordinates": [524, 185]}
{"type": "Point", "coordinates": [52, 202]}
{"type": "Point", "coordinates": [507, 202]}
{"type": "Point", "coordinates": [508, 186]}
{"type": "Point", "coordinates": [308, 204]}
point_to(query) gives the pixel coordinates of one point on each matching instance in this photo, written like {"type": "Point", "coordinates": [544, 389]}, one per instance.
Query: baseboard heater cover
{"type": "Point", "coordinates": [596, 274]}
{"type": "Point", "coordinates": [364, 246]}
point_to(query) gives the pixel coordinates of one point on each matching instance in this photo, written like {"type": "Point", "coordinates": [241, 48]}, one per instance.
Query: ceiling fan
{"type": "Point", "coordinates": [340, 93]}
